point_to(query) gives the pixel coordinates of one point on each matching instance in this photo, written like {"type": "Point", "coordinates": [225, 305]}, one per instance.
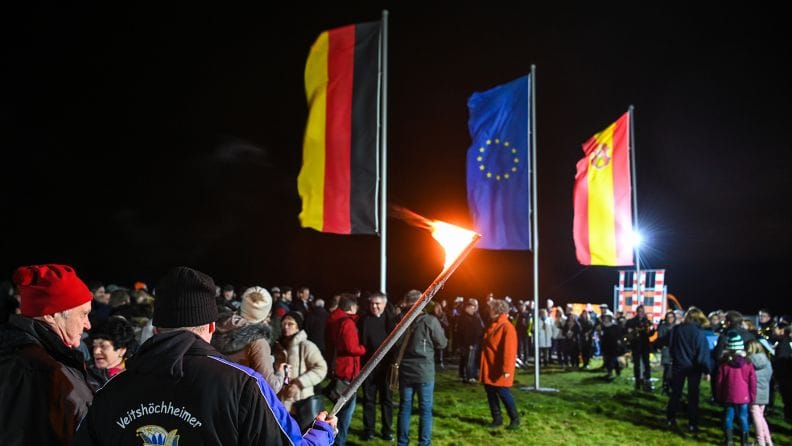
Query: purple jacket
{"type": "Point", "coordinates": [736, 382]}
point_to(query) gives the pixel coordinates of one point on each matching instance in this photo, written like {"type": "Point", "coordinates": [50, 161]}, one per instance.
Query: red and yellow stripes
{"type": "Point", "coordinates": [602, 226]}
{"type": "Point", "coordinates": [337, 182]}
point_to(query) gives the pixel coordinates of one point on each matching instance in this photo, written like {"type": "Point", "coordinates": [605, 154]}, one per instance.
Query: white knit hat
{"type": "Point", "coordinates": [256, 304]}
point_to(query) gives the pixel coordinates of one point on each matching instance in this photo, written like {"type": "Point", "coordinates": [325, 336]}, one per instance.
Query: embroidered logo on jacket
{"type": "Point", "coordinates": [157, 436]}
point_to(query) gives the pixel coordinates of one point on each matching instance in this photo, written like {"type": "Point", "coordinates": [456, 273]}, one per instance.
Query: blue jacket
{"type": "Point", "coordinates": [689, 348]}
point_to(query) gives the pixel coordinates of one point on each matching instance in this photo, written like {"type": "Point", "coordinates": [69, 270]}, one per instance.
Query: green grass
{"type": "Point", "coordinates": [585, 411]}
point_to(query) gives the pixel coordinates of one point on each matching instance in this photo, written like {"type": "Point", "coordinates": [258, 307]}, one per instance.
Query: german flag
{"type": "Point", "coordinates": [338, 180]}
{"type": "Point", "coordinates": [602, 196]}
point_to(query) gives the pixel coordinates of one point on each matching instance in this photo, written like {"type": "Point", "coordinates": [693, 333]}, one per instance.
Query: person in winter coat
{"type": "Point", "coordinates": [111, 344]}
{"type": "Point", "coordinates": [764, 372]}
{"type": "Point", "coordinates": [524, 326]}
{"type": "Point", "coordinates": [244, 338]}
{"type": "Point", "coordinates": [179, 389]}
{"type": "Point", "coordinates": [735, 386]}
{"type": "Point", "coordinates": [374, 328]}
{"type": "Point", "coordinates": [468, 339]}
{"type": "Point", "coordinates": [498, 363]}
{"type": "Point", "coordinates": [44, 387]}
{"type": "Point", "coordinates": [782, 366]}
{"type": "Point", "coordinates": [611, 335]}
{"type": "Point", "coordinates": [306, 366]}
{"type": "Point", "coordinates": [344, 346]}
{"type": "Point", "coordinates": [545, 337]}
{"type": "Point", "coordinates": [417, 373]}
{"type": "Point", "coordinates": [639, 330]}
{"type": "Point", "coordinates": [586, 337]}
{"type": "Point", "coordinates": [690, 359]}
{"type": "Point", "coordinates": [570, 342]}
{"type": "Point", "coordinates": [663, 333]}
{"type": "Point", "coordinates": [729, 321]}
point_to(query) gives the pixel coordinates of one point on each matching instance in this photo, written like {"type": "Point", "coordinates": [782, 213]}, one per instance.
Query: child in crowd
{"type": "Point", "coordinates": [735, 386]}
{"type": "Point", "coordinates": [764, 371]}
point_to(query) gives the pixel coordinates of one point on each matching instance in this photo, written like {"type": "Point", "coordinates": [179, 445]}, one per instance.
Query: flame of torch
{"type": "Point", "coordinates": [457, 243]}
{"type": "Point", "coordinates": [453, 239]}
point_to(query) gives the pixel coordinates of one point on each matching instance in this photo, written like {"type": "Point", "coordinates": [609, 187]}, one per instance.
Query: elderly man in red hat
{"type": "Point", "coordinates": [44, 391]}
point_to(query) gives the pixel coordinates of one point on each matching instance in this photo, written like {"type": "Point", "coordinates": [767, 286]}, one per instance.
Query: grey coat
{"type": "Point", "coordinates": [418, 363]}
{"type": "Point", "coordinates": [764, 371]}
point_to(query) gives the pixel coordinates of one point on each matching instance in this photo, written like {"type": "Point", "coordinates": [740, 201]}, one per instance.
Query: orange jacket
{"type": "Point", "coordinates": [499, 353]}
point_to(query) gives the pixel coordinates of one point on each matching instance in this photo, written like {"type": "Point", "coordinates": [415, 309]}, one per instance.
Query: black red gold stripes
{"type": "Point", "coordinates": [338, 180]}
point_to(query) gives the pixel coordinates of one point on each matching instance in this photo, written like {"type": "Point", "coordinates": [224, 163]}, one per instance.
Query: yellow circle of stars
{"type": "Point", "coordinates": [494, 145]}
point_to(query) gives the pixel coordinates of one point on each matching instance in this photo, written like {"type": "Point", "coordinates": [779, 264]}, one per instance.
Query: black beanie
{"type": "Point", "coordinates": [184, 298]}
{"type": "Point", "coordinates": [297, 316]}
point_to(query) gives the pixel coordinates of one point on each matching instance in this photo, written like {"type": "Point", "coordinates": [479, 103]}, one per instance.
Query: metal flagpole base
{"type": "Point", "coordinates": [539, 389]}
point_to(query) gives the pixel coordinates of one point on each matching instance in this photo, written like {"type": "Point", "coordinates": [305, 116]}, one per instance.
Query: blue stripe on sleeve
{"type": "Point", "coordinates": [285, 421]}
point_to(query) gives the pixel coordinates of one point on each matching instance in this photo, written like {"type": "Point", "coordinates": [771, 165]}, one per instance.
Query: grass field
{"type": "Point", "coordinates": [586, 410]}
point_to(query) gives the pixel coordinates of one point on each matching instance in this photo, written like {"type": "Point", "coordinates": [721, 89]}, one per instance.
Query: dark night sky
{"type": "Point", "coordinates": [136, 140]}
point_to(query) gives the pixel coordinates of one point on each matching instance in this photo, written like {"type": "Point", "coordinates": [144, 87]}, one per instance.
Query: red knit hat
{"type": "Point", "coordinates": [48, 289]}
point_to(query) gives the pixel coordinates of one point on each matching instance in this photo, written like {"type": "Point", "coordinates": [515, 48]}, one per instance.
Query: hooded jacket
{"type": "Point", "coordinates": [736, 382]}
{"type": "Point", "coordinates": [44, 390]}
{"type": "Point", "coordinates": [177, 389]}
{"type": "Point", "coordinates": [247, 343]}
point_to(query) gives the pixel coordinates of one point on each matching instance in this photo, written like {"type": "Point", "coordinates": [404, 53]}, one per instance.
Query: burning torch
{"type": "Point", "coordinates": [457, 243]}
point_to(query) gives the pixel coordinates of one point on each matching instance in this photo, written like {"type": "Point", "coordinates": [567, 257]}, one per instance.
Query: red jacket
{"type": "Point", "coordinates": [342, 341]}
{"type": "Point", "coordinates": [736, 382]}
{"type": "Point", "coordinates": [499, 353]}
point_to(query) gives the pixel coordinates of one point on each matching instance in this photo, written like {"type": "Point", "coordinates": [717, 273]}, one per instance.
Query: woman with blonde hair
{"type": "Point", "coordinates": [764, 371]}
{"type": "Point", "coordinates": [690, 359]}
{"type": "Point", "coordinates": [694, 315]}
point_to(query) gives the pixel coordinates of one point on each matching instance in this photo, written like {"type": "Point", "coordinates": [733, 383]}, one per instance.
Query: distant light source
{"type": "Point", "coordinates": [636, 239]}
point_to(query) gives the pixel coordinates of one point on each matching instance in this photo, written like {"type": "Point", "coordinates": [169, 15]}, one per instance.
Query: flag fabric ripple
{"type": "Point", "coordinates": [498, 168]}
{"type": "Point", "coordinates": [602, 226]}
{"type": "Point", "coordinates": [338, 179]}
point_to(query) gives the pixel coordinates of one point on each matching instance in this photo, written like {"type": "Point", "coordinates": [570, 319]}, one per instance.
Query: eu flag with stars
{"type": "Point", "coordinates": [498, 168]}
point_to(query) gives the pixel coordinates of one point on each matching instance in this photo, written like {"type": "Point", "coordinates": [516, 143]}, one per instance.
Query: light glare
{"type": "Point", "coordinates": [452, 238]}
{"type": "Point", "coordinates": [636, 239]}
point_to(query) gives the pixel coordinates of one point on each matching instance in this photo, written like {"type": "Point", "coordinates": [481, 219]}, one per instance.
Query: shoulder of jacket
{"type": "Point", "coordinates": [33, 357]}
{"type": "Point", "coordinates": [220, 375]}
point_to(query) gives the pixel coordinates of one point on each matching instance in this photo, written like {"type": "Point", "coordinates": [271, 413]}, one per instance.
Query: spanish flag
{"type": "Point", "coordinates": [338, 180]}
{"type": "Point", "coordinates": [602, 196]}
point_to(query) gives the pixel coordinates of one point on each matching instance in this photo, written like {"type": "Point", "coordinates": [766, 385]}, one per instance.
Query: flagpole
{"type": "Point", "coordinates": [384, 156]}
{"type": "Point", "coordinates": [636, 247]}
{"type": "Point", "coordinates": [534, 207]}
{"type": "Point", "coordinates": [535, 223]}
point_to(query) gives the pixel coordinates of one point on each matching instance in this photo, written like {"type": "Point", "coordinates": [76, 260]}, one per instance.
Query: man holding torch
{"type": "Point", "coordinates": [179, 389]}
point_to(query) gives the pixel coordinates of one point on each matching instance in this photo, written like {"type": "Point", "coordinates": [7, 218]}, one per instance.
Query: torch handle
{"type": "Point", "coordinates": [411, 314]}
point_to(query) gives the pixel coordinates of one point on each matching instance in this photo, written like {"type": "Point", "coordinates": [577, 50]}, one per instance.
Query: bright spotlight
{"type": "Point", "coordinates": [636, 239]}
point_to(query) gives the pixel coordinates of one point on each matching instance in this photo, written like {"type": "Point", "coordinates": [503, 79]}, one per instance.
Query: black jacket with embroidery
{"type": "Point", "coordinates": [178, 389]}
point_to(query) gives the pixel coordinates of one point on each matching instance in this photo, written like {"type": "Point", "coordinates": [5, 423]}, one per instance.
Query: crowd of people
{"type": "Point", "coordinates": [745, 361]}
{"type": "Point", "coordinates": [194, 361]}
